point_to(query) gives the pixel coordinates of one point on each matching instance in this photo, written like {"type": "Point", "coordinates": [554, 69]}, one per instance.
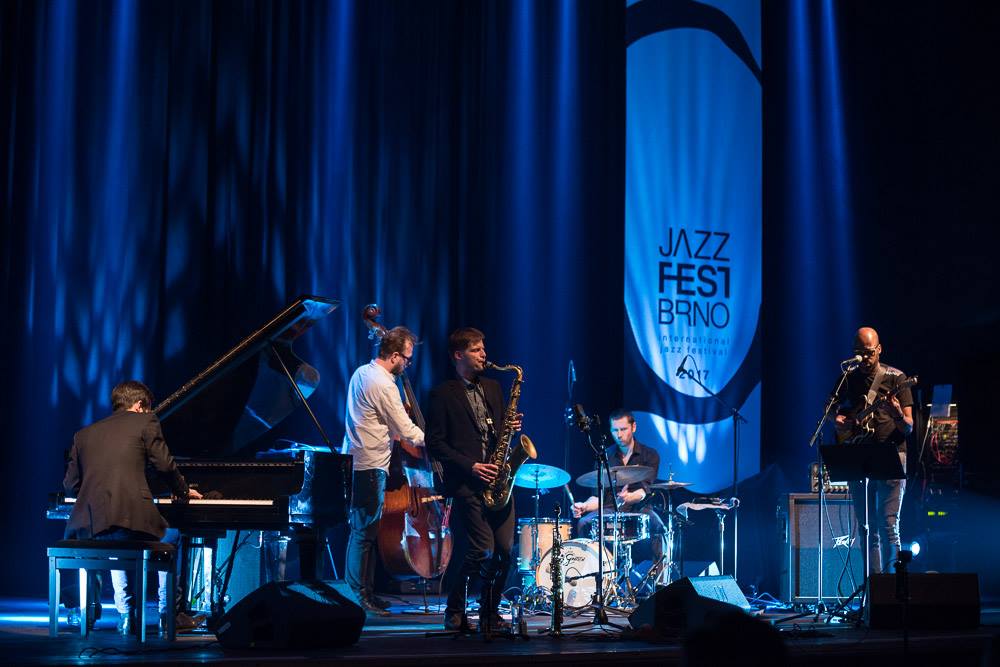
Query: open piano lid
{"type": "Point", "coordinates": [245, 393]}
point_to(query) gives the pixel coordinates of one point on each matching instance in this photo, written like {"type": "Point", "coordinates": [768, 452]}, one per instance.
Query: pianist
{"type": "Point", "coordinates": [375, 415]}
{"type": "Point", "coordinates": [106, 473]}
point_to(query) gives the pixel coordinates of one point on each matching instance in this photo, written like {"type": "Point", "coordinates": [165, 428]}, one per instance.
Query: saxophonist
{"type": "Point", "coordinates": [463, 423]}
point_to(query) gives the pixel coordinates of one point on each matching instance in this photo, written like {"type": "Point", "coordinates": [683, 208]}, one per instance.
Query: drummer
{"type": "Point", "coordinates": [627, 451]}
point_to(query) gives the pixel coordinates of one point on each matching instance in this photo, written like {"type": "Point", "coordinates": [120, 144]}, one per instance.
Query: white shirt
{"type": "Point", "coordinates": [375, 416]}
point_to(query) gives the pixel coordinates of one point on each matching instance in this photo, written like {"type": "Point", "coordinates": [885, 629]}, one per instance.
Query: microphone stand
{"type": "Point", "coordinates": [820, 477]}
{"type": "Point", "coordinates": [737, 418]}
{"type": "Point", "coordinates": [584, 423]}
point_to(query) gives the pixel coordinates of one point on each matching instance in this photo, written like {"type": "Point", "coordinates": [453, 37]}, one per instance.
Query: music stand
{"type": "Point", "coordinates": [862, 462]}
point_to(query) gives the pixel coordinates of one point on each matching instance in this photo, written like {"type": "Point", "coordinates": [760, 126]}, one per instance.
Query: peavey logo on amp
{"type": "Point", "coordinates": [845, 541]}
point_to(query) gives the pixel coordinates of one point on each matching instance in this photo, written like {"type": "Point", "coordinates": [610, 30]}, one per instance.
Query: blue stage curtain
{"type": "Point", "coordinates": [175, 173]}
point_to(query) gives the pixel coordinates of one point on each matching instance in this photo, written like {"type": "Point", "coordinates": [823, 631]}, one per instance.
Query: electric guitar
{"type": "Point", "coordinates": [863, 428]}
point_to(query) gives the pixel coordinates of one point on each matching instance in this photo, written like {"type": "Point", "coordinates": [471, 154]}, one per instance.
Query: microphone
{"type": "Point", "coordinates": [582, 420]}
{"type": "Point", "coordinates": [856, 359]}
{"type": "Point", "coordinates": [680, 369]}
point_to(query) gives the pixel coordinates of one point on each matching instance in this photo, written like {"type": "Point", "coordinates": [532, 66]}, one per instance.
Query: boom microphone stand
{"type": "Point", "coordinates": [737, 418]}
{"type": "Point", "coordinates": [585, 424]}
{"type": "Point", "coordinates": [845, 369]}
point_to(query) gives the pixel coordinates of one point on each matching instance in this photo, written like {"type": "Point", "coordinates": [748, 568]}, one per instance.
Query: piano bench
{"type": "Point", "coordinates": [137, 556]}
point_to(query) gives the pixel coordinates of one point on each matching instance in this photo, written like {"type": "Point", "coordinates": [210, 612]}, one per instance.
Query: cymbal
{"type": "Point", "coordinates": [669, 485]}
{"type": "Point", "coordinates": [621, 475]}
{"type": "Point", "coordinates": [540, 476]}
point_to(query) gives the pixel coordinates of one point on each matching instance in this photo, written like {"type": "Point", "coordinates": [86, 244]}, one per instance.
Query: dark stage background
{"type": "Point", "coordinates": [175, 173]}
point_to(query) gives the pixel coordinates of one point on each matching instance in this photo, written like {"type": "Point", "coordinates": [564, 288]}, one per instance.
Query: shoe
{"type": "Point", "coordinates": [182, 623]}
{"type": "Point", "coordinates": [379, 602]}
{"type": "Point", "coordinates": [492, 624]}
{"type": "Point", "coordinates": [371, 608]}
{"type": "Point", "coordinates": [127, 625]}
{"type": "Point", "coordinates": [73, 617]}
{"type": "Point", "coordinates": [457, 621]}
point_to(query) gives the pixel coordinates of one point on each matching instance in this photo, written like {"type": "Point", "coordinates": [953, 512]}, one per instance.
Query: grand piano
{"type": "Point", "coordinates": [217, 426]}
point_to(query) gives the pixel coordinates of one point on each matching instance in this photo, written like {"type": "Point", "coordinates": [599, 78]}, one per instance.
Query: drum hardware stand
{"type": "Point", "coordinates": [737, 419]}
{"type": "Point", "coordinates": [585, 423]}
{"type": "Point", "coordinates": [655, 570]}
{"type": "Point", "coordinates": [534, 594]}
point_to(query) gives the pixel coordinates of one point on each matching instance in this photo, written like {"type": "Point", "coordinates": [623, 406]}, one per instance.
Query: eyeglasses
{"type": "Point", "coordinates": [407, 359]}
{"type": "Point", "coordinates": [866, 352]}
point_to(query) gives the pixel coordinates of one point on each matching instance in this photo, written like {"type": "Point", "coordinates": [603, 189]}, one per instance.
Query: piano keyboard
{"type": "Point", "coordinates": [204, 502]}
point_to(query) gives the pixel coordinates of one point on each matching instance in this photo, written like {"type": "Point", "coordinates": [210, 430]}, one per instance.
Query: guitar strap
{"type": "Point", "coordinates": [876, 385]}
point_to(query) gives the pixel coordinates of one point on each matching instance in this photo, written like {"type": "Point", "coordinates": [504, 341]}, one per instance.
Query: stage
{"type": "Point", "coordinates": [401, 640]}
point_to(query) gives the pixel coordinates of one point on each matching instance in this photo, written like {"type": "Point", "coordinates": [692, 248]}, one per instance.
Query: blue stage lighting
{"type": "Point", "coordinates": [915, 548]}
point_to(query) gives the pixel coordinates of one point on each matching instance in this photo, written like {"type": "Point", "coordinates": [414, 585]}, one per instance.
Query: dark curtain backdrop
{"type": "Point", "coordinates": [880, 208]}
{"type": "Point", "coordinates": [175, 173]}
{"type": "Point", "coordinates": [881, 144]}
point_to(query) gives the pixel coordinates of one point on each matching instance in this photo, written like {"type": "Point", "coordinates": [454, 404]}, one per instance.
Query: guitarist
{"type": "Point", "coordinates": [874, 382]}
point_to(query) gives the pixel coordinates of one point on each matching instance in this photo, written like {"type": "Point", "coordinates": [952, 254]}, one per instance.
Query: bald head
{"type": "Point", "coordinates": [866, 337]}
{"type": "Point", "coordinates": [866, 344]}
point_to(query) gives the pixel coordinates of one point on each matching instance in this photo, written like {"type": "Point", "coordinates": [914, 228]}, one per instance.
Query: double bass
{"type": "Point", "coordinates": [413, 536]}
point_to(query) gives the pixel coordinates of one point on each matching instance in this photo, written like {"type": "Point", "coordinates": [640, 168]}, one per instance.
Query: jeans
{"type": "Point", "coordinates": [366, 510]}
{"type": "Point", "coordinates": [121, 580]}
{"type": "Point", "coordinates": [885, 497]}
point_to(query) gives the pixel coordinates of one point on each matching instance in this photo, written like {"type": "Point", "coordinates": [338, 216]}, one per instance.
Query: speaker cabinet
{"type": "Point", "coordinates": [937, 602]}
{"type": "Point", "coordinates": [292, 614]}
{"type": "Point", "coordinates": [843, 567]}
{"type": "Point", "coordinates": [688, 603]}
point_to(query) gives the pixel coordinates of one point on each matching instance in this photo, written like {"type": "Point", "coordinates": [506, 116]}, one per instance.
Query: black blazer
{"type": "Point", "coordinates": [452, 436]}
{"type": "Point", "coordinates": [107, 474]}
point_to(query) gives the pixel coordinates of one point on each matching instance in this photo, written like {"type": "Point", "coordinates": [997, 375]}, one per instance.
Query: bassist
{"type": "Point", "coordinates": [875, 383]}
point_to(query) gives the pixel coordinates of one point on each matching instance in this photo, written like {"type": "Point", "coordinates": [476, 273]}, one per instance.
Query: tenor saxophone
{"type": "Point", "coordinates": [497, 494]}
{"type": "Point", "coordinates": [558, 580]}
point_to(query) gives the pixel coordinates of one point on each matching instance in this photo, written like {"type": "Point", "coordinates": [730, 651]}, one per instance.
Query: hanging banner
{"type": "Point", "coordinates": [693, 234]}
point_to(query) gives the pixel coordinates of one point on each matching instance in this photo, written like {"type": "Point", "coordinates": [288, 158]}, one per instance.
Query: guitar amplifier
{"type": "Point", "coordinates": [843, 568]}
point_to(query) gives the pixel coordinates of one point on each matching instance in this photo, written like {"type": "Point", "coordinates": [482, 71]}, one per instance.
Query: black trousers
{"type": "Point", "coordinates": [484, 541]}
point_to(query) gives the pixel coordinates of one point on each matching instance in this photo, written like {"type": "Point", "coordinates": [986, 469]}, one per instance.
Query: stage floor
{"type": "Point", "coordinates": [401, 640]}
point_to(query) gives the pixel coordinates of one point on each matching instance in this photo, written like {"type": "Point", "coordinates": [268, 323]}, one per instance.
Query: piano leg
{"type": "Point", "coordinates": [275, 557]}
{"type": "Point", "coordinates": [198, 565]}
{"type": "Point", "coordinates": [306, 539]}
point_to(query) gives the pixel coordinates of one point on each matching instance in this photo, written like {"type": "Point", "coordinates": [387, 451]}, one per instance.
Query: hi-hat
{"type": "Point", "coordinates": [621, 475]}
{"type": "Point", "coordinates": [540, 476]}
{"type": "Point", "coordinates": [669, 485]}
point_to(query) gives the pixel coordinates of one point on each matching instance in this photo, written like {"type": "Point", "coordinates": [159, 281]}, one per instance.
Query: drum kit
{"type": "Point", "coordinates": [607, 548]}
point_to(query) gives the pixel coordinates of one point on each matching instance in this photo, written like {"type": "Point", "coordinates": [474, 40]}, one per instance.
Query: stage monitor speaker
{"type": "Point", "coordinates": [843, 566]}
{"type": "Point", "coordinates": [938, 601]}
{"type": "Point", "coordinates": [688, 603]}
{"type": "Point", "coordinates": [292, 614]}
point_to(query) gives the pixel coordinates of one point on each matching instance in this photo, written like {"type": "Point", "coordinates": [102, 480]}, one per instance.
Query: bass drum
{"type": "Point", "coordinates": [579, 558]}
{"type": "Point", "coordinates": [546, 527]}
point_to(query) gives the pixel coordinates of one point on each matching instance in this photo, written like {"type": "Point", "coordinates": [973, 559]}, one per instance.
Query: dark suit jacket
{"type": "Point", "coordinates": [107, 474]}
{"type": "Point", "coordinates": [452, 436]}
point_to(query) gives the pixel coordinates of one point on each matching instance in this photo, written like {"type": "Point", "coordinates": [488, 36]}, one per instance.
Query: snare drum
{"type": "Point", "coordinates": [579, 560]}
{"type": "Point", "coordinates": [632, 527]}
{"type": "Point", "coordinates": [545, 528]}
